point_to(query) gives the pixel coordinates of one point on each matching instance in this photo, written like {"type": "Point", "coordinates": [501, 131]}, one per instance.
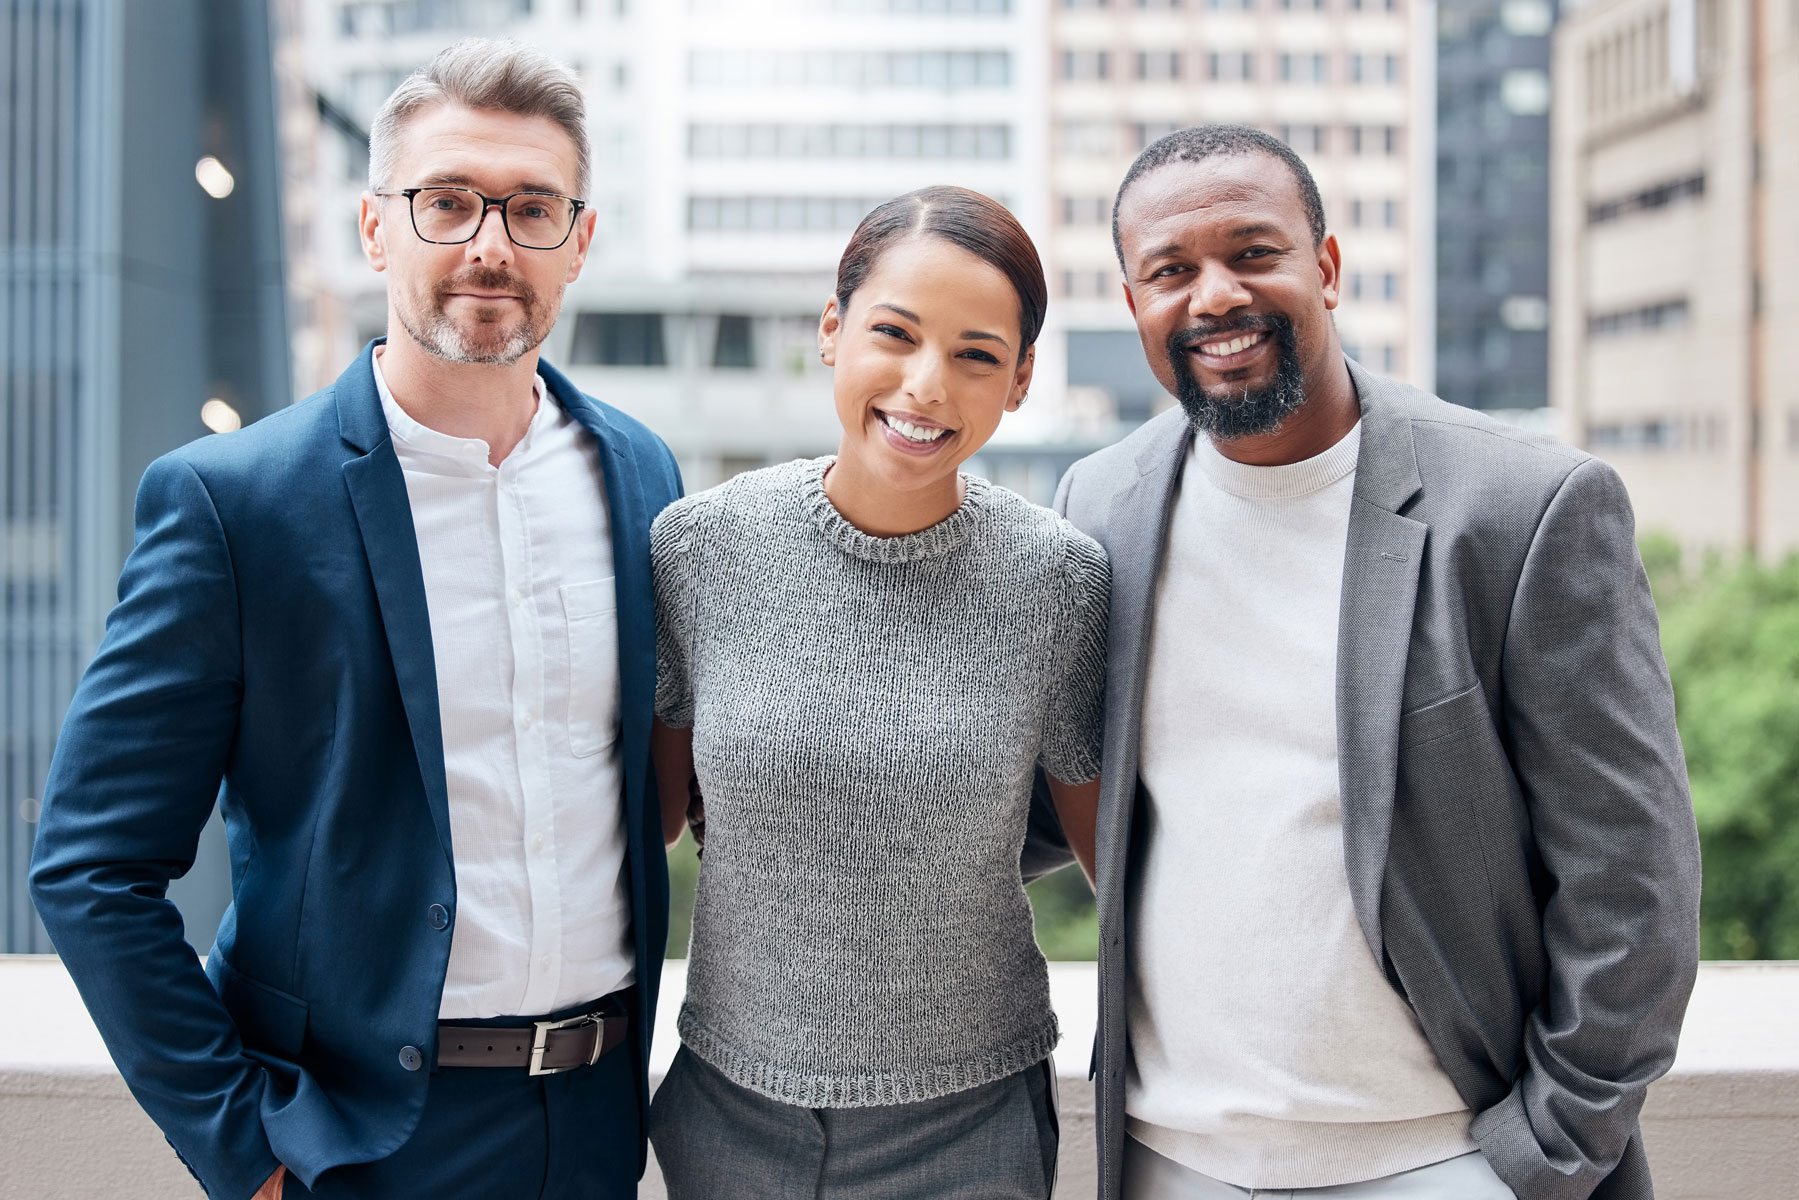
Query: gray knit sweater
{"type": "Point", "coordinates": [867, 713]}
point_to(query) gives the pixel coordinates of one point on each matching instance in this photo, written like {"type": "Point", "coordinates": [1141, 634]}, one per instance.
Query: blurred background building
{"type": "Point", "coordinates": [1349, 84]}
{"type": "Point", "coordinates": [1492, 205]}
{"type": "Point", "coordinates": [143, 304]}
{"type": "Point", "coordinates": [1566, 212]}
{"type": "Point", "coordinates": [1676, 159]}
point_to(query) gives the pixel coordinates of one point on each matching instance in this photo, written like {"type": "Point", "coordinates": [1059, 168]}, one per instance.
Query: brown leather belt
{"type": "Point", "coordinates": [541, 1048]}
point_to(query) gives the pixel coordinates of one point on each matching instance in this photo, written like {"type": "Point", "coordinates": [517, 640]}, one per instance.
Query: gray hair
{"type": "Point", "coordinates": [483, 73]}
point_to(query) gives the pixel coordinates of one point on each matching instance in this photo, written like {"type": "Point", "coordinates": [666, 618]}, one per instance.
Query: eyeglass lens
{"type": "Point", "coordinates": [453, 215]}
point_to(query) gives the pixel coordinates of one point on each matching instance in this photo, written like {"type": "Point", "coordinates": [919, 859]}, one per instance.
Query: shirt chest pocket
{"type": "Point", "coordinates": [591, 613]}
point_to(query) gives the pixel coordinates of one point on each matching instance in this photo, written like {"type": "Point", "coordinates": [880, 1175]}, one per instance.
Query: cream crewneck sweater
{"type": "Point", "coordinates": [1268, 1049]}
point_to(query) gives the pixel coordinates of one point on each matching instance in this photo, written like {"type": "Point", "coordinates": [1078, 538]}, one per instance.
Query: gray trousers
{"type": "Point", "coordinates": [715, 1139]}
{"type": "Point", "coordinates": [1151, 1176]}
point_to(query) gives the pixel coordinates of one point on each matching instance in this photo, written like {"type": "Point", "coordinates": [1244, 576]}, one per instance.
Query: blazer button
{"type": "Point", "coordinates": [440, 916]}
{"type": "Point", "coordinates": [410, 1058]}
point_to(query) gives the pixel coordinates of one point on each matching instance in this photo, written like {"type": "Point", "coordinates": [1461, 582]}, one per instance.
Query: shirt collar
{"type": "Point", "coordinates": [427, 440]}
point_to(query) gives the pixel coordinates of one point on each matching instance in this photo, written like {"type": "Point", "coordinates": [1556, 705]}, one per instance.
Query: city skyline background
{"type": "Point", "coordinates": [1566, 214]}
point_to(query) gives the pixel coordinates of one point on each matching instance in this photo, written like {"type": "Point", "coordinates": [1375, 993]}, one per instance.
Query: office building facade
{"type": "Point", "coordinates": [1675, 293]}
{"type": "Point", "coordinates": [1493, 96]}
{"type": "Point", "coordinates": [142, 306]}
{"type": "Point", "coordinates": [1347, 83]}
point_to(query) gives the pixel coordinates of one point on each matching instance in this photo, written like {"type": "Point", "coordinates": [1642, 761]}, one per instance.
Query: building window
{"type": "Point", "coordinates": [1160, 66]}
{"type": "Point", "coordinates": [1086, 66]}
{"type": "Point", "coordinates": [941, 70]}
{"type": "Point", "coordinates": [1374, 139]}
{"type": "Point", "coordinates": [1656, 196]}
{"type": "Point", "coordinates": [1305, 139]}
{"type": "Point", "coordinates": [709, 141]}
{"type": "Point", "coordinates": [1086, 210]}
{"type": "Point", "coordinates": [1230, 5]}
{"type": "Point", "coordinates": [793, 214]}
{"type": "Point", "coordinates": [607, 339]}
{"type": "Point", "coordinates": [1355, 213]}
{"type": "Point", "coordinates": [1389, 214]}
{"type": "Point", "coordinates": [735, 344]}
{"type": "Point", "coordinates": [1666, 314]}
{"type": "Point", "coordinates": [1145, 132]}
{"type": "Point", "coordinates": [1231, 66]}
{"type": "Point", "coordinates": [1373, 68]}
{"type": "Point", "coordinates": [1389, 287]}
{"type": "Point", "coordinates": [1302, 68]}
{"type": "Point", "coordinates": [1087, 138]}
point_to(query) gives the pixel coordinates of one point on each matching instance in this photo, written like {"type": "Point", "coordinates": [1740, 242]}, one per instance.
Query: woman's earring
{"type": "Point", "coordinates": [1022, 398]}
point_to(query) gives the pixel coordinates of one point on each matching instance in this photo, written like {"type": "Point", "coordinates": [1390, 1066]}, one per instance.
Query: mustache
{"type": "Point", "coordinates": [1182, 340]}
{"type": "Point", "coordinates": [488, 279]}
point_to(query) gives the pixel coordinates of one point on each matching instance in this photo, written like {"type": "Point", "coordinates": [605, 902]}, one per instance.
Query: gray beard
{"type": "Point", "coordinates": [440, 337]}
{"type": "Point", "coordinates": [1229, 412]}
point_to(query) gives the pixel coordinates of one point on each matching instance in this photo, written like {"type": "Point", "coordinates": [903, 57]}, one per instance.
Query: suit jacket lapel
{"type": "Point", "coordinates": [630, 530]}
{"type": "Point", "coordinates": [1380, 587]}
{"type": "Point", "coordinates": [1136, 536]}
{"type": "Point", "coordinates": [384, 515]}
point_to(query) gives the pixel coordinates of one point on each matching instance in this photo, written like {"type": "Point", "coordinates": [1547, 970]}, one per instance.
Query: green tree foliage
{"type": "Point", "coordinates": [1731, 635]}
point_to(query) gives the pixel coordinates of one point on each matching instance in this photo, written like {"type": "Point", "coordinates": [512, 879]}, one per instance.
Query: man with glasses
{"type": "Point", "coordinates": [403, 633]}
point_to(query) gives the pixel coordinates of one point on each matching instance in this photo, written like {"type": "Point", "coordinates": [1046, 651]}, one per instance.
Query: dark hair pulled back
{"type": "Point", "coordinates": [965, 219]}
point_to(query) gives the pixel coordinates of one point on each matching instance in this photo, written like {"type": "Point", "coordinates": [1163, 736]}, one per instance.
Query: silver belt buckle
{"type": "Point", "coordinates": [542, 1038]}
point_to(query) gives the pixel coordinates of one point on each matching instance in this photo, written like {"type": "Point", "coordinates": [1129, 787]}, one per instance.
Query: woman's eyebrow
{"type": "Point", "coordinates": [976, 335]}
{"type": "Point", "coordinates": [894, 308]}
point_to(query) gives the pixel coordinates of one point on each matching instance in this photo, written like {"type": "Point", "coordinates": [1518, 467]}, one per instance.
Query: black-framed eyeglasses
{"type": "Point", "coordinates": [449, 216]}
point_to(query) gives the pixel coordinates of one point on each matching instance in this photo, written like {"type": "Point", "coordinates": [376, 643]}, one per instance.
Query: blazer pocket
{"type": "Point", "coordinates": [1452, 715]}
{"type": "Point", "coordinates": [267, 1018]}
{"type": "Point", "coordinates": [591, 613]}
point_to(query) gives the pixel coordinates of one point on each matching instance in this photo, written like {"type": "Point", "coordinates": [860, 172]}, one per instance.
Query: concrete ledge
{"type": "Point", "coordinates": [1724, 1124]}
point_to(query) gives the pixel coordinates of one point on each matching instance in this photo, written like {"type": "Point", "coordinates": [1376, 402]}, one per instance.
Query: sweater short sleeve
{"type": "Point", "coordinates": [1074, 717]}
{"type": "Point", "coordinates": [672, 565]}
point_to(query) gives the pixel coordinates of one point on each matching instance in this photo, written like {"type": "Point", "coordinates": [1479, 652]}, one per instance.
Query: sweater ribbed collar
{"type": "Point", "coordinates": [1283, 482]}
{"type": "Point", "coordinates": [934, 541]}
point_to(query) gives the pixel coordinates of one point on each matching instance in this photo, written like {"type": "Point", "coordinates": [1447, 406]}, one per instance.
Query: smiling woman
{"type": "Point", "coordinates": [863, 662]}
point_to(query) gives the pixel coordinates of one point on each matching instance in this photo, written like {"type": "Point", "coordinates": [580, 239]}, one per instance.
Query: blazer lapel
{"type": "Point", "coordinates": [1380, 587]}
{"type": "Point", "coordinates": [384, 516]}
{"type": "Point", "coordinates": [1136, 530]}
{"type": "Point", "coordinates": [630, 531]}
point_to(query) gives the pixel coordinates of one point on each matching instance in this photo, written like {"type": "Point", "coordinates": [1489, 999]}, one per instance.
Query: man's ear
{"type": "Point", "coordinates": [830, 324]}
{"type": "Point", "coordinates": [1330, 271]}
{"type": "Point", "coordinates": [1130, 301]}
{"type": "Point", "coordinates": [372, 232]}
{"type": "Point", "coordinates": [584, 227]}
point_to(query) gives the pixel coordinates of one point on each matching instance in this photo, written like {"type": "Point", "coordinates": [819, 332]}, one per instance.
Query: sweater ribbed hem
{"type": "Point", "coordinates": [1259, 1152]}
{"type": "Point", "coordinates": [866, 1089]}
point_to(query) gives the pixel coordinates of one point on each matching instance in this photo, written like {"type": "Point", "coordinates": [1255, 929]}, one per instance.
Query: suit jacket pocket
{"type": "Point", "coordinates": [1455, 714]}
{"type": "Point", "coordinates": [267, 1018]}
{"type": "Point", "coordinates": [591, 613]}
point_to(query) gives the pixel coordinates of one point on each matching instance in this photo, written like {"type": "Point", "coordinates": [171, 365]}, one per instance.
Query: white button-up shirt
{"type": "Point", "coordinates": [519, 585]}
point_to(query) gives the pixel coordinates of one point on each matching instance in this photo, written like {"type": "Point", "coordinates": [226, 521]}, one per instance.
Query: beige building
{"type": "Point", "coordinates": [1675, 295]}
{"type": "Point", "coordinates": [1349, 84]}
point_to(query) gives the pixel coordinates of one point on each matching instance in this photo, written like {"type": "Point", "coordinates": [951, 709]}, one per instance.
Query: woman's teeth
{"type": "Point", "coordinates": [911, 432]}
{"type": "Point", "coordinates": [1236, 344]}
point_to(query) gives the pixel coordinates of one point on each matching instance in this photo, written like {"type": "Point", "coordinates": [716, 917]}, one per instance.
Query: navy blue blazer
{"type": "Point", "coordinates": [271, 633]}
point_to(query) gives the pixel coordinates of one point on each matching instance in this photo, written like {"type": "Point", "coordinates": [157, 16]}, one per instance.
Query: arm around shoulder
{"type": "Point", "coordinates": [1589, 714]}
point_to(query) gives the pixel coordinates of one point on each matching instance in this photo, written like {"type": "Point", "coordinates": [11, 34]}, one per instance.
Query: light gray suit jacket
{"type": "Point", "coordinates": [1516, 821]}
